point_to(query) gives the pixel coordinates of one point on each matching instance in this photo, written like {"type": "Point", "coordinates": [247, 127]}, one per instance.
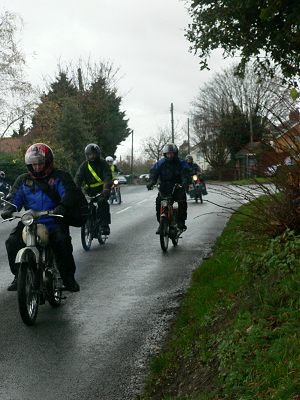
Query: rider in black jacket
{"type": "Point", "coordinates": [195, 170]}
{"type": "Point", "coordinates": [94, 176]}
{"type": "Point", "coordinates": [170, 170]}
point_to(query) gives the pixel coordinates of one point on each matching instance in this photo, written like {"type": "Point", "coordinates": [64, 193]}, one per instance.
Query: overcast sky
{"type": "Point", "coordinates": [144, 38]}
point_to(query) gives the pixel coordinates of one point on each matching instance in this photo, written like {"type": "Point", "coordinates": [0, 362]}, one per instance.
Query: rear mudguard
{"type": "Point", "coordinates": [28, 254]}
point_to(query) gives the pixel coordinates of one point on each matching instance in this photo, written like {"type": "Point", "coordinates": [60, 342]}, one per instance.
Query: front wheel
{"type": "Point", "coordinates": [118, 196]}
{"type": "Point", "coordinates": [164, 234]}
{"type": "Point", "coordinates": [28, 295]}
{"type": "Point", "coordinates": [87, 234]}
{"type": "Point", "coordinates": [101, 237]}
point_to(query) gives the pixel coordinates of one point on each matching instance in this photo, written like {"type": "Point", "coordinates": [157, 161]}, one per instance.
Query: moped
{"type": "Point", "coordinates": [39, 279]}
{"type": "Point", "coordinates": [168, 228]}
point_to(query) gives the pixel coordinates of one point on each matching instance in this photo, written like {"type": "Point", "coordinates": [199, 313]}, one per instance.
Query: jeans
{"type": "Point", "coordinates": [60, 242]}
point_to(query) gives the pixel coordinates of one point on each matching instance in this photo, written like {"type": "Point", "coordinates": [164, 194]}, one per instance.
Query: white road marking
{"type": "Point", "coordinates": [142, 201]}
{"type": "Point", "coordinates": [124, 209]}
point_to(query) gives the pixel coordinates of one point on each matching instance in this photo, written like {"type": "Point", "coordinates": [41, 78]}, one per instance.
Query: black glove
{"type": "Point", "coordinates": [59, 210]}
{"type": "Point", "coordinates": [150, 186]}
{"type": "Point", "coordinates": [104, 196]}
{"type": "Point", "coordinates": [6, 214]}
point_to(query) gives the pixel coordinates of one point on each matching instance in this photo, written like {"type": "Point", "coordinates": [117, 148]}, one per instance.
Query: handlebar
{"type": "Point", "coordinates": [35, 214]}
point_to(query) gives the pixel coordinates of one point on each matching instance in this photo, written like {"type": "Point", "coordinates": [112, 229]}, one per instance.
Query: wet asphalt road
{"type": "Point", "coordinates": [98, 343]}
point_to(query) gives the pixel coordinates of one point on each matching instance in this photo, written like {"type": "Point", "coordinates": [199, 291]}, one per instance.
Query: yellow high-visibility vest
{"type": "Point", "coordinates": [98, 179]}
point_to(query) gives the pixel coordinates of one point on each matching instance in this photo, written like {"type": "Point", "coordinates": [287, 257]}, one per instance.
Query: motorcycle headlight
{"type": "Point", "coordinates": [116, 182]}
{"type": "Point", "coordinates": [27, 219]}
{"type": "Point", "coordinates": [195, 177]}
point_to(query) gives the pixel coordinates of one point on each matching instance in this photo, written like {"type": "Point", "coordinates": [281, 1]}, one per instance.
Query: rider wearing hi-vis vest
{"type": "Point", "coordinates": [94, 176]}
{"type": "Point", "coordinates": [114, 168]}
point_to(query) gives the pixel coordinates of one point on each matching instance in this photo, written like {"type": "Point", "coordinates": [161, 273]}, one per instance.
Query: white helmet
{"type": "Point", "coordinates": [109, 160]}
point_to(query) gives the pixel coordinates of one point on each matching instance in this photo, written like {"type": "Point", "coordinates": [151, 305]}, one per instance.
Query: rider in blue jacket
{"type": "Point", "coordinates": [43, 187]}
{"type": "Point", "coordinates": [170, 170]}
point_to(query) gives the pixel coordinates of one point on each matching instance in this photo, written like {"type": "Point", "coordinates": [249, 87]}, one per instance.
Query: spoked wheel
{"type": "Point", "coordinates": [53, 288]}
{"type": "Point", "coordinates": [201, 198]}
{"type": "Point", "coordinates": [28, 296]}
{"type": "Point", "coordinates": [87, 235]}
{"type": "Point", "coordinates": [118, 196]}
{"type": "Point", "coordinates": [111, 198]}
{"type": "Point", "coordinates": [164, 234]}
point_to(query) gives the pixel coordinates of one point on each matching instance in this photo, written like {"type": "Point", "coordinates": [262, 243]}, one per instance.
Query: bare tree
{"type": "Point", "coordinates": [17, 98]}
{"type": "Point", "coordinates": [153, 146]}
{"type": "Point", "coordinates": [227, 99]}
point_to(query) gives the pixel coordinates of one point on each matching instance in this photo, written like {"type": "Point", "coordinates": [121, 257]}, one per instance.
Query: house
{"type": "Point", "coordinates": [286, 138]}
{"type": "Point", "coordinates": [195, 152]}
{"type": "Point", "coordinates": [253, 160]}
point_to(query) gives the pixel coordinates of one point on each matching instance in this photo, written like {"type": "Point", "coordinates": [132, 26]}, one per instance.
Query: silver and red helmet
{"type": "Point", "coordinates": [39, 153]}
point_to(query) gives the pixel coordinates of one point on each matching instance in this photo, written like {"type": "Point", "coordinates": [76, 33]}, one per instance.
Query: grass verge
{"type": "Point", "coordinates": [237, 335]}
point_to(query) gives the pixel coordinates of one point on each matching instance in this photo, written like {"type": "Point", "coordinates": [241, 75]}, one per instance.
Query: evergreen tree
{"type": "Point", "coordinates": [102, 111]}
{"type": "Point", "coordinates": [72, 134]}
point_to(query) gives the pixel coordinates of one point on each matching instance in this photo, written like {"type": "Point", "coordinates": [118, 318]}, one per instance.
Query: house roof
{"type": "Point", "coordinates": [11, 145]}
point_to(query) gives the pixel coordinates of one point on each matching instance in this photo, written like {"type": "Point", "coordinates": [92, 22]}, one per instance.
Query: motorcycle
{"type": "Point", "coordinates": [92, 227]}
{"type": "Point", "coordinates": [115, 193]}
{"type": "Point", "coordinates": [197, 189]}
{"type": "Point", "coordinates": [39, 279]}
{"type": "Point", "coordinates": [168, 228]}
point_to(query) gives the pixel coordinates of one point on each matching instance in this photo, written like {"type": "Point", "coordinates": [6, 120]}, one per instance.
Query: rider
{"type": "Point", "coordinates": [4, 187]}
{"type": "Point", "coordinates": [170, 170]}
{"type": "Point", "coordinates": [30, 191]}
{"type": "Point", "coordinates": [195, 170]}
{"type": "Point", "coordinates": [114, 168]}
{"type": "Point", "coordinates": [94, 176]}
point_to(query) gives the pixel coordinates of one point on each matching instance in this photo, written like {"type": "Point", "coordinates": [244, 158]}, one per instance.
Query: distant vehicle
{"type": "Point", "coordinates": [122, 180]}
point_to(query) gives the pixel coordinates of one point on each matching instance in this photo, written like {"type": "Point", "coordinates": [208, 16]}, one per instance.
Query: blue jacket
{"type": "Point", "coordinates": [170, 172]}
{"type": "Point", "coordinates": [28, 194]}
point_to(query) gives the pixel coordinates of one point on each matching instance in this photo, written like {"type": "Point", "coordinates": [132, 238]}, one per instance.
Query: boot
{"type": "Point", "coordinates": [106, 230]}
{"type": "Point", "coordinates": [70, 284]}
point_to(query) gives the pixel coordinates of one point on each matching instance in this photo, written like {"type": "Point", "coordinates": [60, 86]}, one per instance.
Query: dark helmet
{"type": "Point", "coordinates": [189, 158]}
{"type": "Point", "coordinates": [39, 153]}
{"type": "Point", "coordinates": [2, 175]}
{"type": "Point", "coordinates": [170, 148]}
{"type": "Point", "coordinates": [92, 151]}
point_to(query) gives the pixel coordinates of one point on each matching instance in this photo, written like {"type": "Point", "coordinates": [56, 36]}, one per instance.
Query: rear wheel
{"type": "Point", "coordinates": [164, 234]}
{"type": "Point", "coordinates": [87, 234]}
{"type": "Point", "coordinates": [28, 295]}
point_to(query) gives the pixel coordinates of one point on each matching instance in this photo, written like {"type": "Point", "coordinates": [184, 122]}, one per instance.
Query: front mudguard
{"type": "Point", "coordinates": [28, 254]}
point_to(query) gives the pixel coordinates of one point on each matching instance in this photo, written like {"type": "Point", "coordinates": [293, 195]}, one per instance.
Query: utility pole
{"type": "Point", "coordinates": [172, 122]}
{"type": "Point", "coordinates": [188, 132]}
{"type": "Point", "coordinates": [131, 165]}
